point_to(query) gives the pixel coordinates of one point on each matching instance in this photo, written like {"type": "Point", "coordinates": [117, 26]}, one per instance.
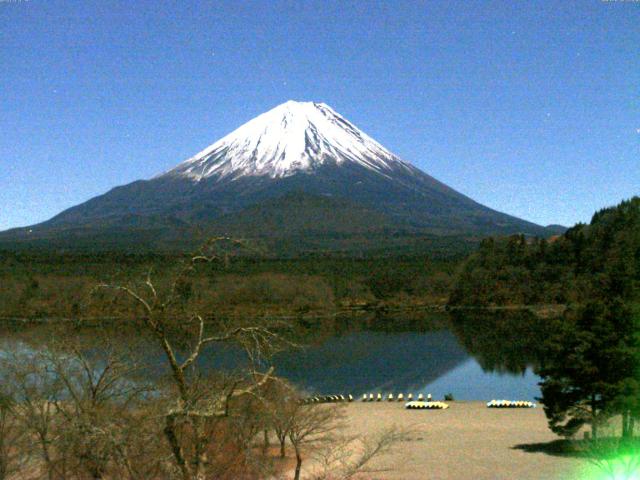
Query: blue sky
{"type": "Point", "coordinates": [530, 107]}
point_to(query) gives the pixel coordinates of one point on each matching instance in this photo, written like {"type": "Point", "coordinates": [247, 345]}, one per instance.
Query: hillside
{"type": "Point", "coordinates": [299, 170]}
{"type": "Point", "coordinates": [587, 261]}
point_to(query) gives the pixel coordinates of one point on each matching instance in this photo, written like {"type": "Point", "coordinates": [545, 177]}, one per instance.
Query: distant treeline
{"type": "Point", "coordinates": [41, 284]}
{"type": "Point", "coordinates": [582, 264]}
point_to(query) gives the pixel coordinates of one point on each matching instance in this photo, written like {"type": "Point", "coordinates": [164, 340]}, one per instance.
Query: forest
{"type": "Point", "coordinates": [57, 285]}
{"type": "Point", "coordinates": [589, 362]}
{"type": "Point", "coordinates": [586, 262]}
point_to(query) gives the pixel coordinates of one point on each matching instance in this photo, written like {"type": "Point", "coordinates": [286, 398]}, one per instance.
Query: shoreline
{"type": "Point", "coordinates": [538, 310]}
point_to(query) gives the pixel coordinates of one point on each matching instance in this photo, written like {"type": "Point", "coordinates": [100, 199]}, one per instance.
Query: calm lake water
{"type": "Point", "coordinates": [473, 357]}
{"type": "Point", "coordinates": [416, 362]}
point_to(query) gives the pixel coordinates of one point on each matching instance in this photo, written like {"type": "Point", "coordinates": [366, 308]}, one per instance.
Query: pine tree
{"type": "Point", "coordinates": [591, 369]}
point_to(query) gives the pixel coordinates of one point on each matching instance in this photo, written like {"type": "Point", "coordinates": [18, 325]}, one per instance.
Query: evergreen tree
{"type": "Point", "coordinates": [591, 368]}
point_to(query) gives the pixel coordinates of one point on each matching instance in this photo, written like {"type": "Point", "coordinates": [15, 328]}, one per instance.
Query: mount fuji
{"type": "Point", "coordinates": [301, 171]}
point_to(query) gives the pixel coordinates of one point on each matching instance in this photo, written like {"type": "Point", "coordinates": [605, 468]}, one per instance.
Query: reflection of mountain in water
{"type": "Point", "coordinates": [355, 363]}
{"type": "Point", "coordinates": [469, 381]}
{"type": "Point", "coordinates": [366, 361]}
{"type": "Point", "coordinates": [361, 361]}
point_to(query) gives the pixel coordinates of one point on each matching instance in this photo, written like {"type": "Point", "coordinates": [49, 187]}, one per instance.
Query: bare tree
{"type": "Point", "coordinates": [12, 457]}
{"type": "Point", "coordinates": [81, 410]}
{"type": "Point", "coordinates": [311, 426]}
{"type": "Point", "coordinates": [96, 408]}
{"type": "Point", "coordinates": [189, 422]}
{"type": "Point", "coordinates": [281, 404]}
{"type": "Point", "coordinates": [35, 387]}
{"type": "Point", "coordinates": [349, 457]}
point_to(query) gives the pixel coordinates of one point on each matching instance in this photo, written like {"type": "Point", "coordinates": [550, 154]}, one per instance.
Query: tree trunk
{"type": "Point", "coordinates": [178, 454]}
{"type": "Point", "coordinates": [201, 443]}
{"type": "Point", "coordinates": [298, 465]}
{"type": "Point", "coordinates": [178, 374]}
{"type": "Point", "coordinates": [266, 440]}
{"type": "Point", "coordinates": [282, 447]}
{"type": "Point", "coordinates": [3, 467]}
{"type": "Point", "coordinates": [625, 424]}
{"type": "Point", "coordinates": [594, 418]}
{"type": "Point", "coordinates": [632, 424]}
{"type": "Point", "coordinates": [201, 452]}
{"type": "Point", "coordinates": [47, 459]}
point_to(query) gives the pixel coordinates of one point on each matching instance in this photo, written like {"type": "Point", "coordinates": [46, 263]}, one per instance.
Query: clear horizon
{"type": "Point", "coordinates": [531, 109]}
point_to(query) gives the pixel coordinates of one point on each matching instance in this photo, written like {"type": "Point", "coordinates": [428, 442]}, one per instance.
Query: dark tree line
{"type": "Point", "coordinates": [599, 260]}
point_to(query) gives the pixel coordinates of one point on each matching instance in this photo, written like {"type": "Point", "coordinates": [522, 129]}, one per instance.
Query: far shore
{"type": "Point", "coordinates": [538, 310]}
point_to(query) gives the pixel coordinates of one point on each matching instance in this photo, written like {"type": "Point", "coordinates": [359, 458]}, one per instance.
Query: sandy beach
{"type": "Point", "coordinates": [466, 441]}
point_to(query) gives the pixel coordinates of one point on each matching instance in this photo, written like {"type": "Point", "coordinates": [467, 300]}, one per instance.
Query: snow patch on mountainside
{"type": "Point", "coordinates": [292, 137]}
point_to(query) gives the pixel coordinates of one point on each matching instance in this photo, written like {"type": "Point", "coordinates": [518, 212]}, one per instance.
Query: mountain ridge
{"type": "Point", "coordinates": [297, 147]}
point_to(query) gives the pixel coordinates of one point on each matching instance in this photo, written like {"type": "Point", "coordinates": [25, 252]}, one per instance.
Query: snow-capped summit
{"type": "Point", "coordinates": [290, 138]}
{"type": "Point", "coordinates": [300, 172]}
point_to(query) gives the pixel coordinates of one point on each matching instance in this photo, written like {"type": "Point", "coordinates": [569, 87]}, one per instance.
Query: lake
{"type": "Point", "coordinates": [471, 356]}
{"type": "Point", "coordinates": [411, 362]}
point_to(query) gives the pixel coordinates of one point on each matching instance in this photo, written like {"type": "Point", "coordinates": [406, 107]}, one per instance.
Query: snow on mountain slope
{"type": "Point", "coordinates": [300, 170]}
{"type": "Point", "coordinates": [292, 137]}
